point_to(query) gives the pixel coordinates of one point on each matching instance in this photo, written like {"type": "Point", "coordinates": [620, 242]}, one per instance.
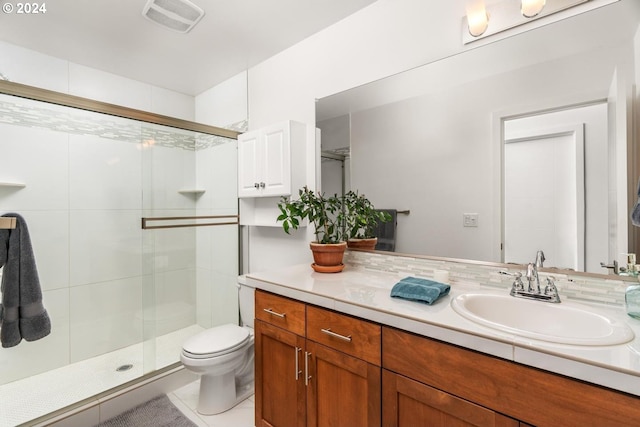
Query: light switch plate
{"type": "Point", "coordinates": [470, 219]}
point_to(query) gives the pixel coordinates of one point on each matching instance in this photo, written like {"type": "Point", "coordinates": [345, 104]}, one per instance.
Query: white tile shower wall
{"type": "Point", "coordinates": [103, 317]}
{"type": "Point", "coordinates": [217, 259]}
{"type": "Point", "coordinates": [577, 287]}
{"type": "Point", "coordinates": [31, 358]}
{"type": "Point", "coordinates": [26, 66]}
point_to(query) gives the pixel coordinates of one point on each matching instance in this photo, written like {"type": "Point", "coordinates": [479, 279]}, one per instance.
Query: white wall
{"type": "Point", "coordinates": [225, 104]}
{"type": "Point", "coordinates": [28, 67]}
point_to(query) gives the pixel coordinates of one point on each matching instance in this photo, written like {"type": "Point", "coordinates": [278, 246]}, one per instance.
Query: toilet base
{"type": "Point", "coordinates": [219, 393]}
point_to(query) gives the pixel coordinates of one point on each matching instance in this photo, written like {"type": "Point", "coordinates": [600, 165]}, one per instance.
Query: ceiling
{"type": "Point", "coordinates": [113, 36]}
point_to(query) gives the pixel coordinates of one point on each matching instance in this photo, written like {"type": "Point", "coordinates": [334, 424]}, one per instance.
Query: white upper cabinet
{"type": "Point", "coordinates": [271, 160]}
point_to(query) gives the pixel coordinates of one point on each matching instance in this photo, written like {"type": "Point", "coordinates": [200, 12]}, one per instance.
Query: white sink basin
{"type": "Point", "coordinates": [558, 323]}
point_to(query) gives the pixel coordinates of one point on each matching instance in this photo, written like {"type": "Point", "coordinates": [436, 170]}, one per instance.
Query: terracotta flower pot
{"type": "Point", "coordinates": [328, 257]}
{"type": "Point", "coordinates": [363, 244]}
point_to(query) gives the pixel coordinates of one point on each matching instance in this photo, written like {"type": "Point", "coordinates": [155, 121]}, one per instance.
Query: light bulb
{"type": "Point", "coordinates": [477, 20]}
{"type": "Point", "coordinates": [531, 8]}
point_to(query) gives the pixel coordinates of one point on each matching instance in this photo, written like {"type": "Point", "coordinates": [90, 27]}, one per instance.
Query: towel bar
{"type": "Point", "coordinates": [146, 226]}
{"type": "Point", "coordinates": [7, 223]}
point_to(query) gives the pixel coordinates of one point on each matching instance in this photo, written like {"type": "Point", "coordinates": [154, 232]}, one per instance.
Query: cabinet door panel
{"type": "Point", "coordinates": [249, 168]}
{"type": "Point", "coordinates": [277, 170]}
{"type": "Point", "coordinates": [410, 403]}
{"type": "Point", "coordinates": [342, 391]}
{"type": "Point", "coordinates": [482, 378]}
{"type": "Point", "coordinates": [280, 391]}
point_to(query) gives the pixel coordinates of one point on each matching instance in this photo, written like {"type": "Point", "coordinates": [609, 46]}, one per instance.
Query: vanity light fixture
{"type": "Point", "coordinates": [531, 8]}
{"type": "Point", "coordinates": [477, 18]}
{"type": "Point", "coordinates": [483, 21]}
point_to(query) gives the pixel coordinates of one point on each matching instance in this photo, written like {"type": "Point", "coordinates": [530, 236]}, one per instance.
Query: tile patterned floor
{"type": "Point", "coordinates": [186, 399]}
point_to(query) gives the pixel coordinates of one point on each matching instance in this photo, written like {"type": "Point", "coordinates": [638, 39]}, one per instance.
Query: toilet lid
{"type": "Point", "coordinates": [216, 341]}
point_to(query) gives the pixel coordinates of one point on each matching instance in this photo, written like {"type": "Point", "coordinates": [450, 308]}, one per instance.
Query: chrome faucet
{"type": "Point", "coordinates": [533, 291]}
{"type": "Point", "coordinates": [532, 277]}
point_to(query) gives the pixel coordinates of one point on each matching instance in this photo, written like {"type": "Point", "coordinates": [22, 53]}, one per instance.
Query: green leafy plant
{"type": "Point", "coordinates": [325, 213]}
{"type": "Point", "coordinates": [361, 217]}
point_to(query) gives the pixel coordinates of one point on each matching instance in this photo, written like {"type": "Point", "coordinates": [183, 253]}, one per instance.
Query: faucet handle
{"type": "Point", "coordinates": [517, 286]}
{"type": "Point", "coordinates": [551, 290]}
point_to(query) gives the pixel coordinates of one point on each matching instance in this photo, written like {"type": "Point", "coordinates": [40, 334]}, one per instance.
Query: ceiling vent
{"type": "Point", "coordinates": [177, 15]}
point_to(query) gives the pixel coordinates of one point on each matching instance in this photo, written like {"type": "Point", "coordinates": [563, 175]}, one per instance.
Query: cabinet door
{"type": "Point", "coordinates": [279, 383]}
{"type": "Point", "coordinates": [249, 167]}
{"type": "Point", "coordinates": [410, 403]}
{"type": "Point", "coordinates": [276, 167]}
{"type": "Point", "coordinates": [342, 391]}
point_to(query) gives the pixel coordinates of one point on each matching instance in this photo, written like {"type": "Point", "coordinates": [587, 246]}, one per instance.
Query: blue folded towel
{"type": "Point", "coordinates": [421, 290]}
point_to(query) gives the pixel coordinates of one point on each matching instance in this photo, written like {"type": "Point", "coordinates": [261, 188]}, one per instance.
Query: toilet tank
{"type": "Point", "coordinates": [246, 302]}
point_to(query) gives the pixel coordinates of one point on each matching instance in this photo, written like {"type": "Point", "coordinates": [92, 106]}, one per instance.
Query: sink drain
{"type": "Point", "coordinates": [123, 368]}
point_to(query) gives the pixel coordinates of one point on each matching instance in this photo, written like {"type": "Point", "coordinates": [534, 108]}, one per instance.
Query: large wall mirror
{"type": "Point", "coordinates": [519, 145]}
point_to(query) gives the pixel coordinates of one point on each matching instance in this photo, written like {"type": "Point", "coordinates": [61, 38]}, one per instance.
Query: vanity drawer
{"type": "Point", "coordinates": [280, 311]}
{"type": "Point", "coordinates": [356, 337]}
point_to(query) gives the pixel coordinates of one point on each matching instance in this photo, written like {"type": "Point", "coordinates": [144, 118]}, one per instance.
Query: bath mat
{"type": "Point", "coordinates": [158, 412]}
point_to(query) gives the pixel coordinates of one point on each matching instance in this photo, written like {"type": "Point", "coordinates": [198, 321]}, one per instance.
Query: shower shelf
{"type": "Point", "coordinates": [195, 191]}
{"type": "Point", "coordinates": [12, 184]}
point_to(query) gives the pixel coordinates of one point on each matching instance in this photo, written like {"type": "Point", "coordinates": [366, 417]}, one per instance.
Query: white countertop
{"type": "Point", "coordinates": [366, 294]}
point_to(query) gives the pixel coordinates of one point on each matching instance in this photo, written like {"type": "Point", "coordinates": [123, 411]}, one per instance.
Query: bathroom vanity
{"type": "Point", "coordinates": [336, 349]}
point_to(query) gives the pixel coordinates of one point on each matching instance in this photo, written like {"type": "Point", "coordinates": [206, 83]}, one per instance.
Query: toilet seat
{"type": "Point", "coordinates": [216, 341]}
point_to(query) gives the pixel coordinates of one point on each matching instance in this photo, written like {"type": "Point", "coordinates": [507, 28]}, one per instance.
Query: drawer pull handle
{"type": "Point", "coordinates": [298, 371]}
{"type": "Point", "coordinates": [328, 331]}
{"type": "Point", "coordinates": [307, 377]}
{"type": "Point", "coordinates": [281, 315]}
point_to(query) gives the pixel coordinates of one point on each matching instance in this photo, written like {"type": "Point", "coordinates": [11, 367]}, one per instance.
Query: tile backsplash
{"type": "Point", "coordinates": [575, 287]}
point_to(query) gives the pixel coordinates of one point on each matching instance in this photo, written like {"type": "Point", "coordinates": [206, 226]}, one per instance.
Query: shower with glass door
{"type": "Point", "coordinates": [134, 227]}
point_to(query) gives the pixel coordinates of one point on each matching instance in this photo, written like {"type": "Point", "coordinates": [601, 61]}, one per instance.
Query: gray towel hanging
{"type": "Point", "coordinates": [22, 314]}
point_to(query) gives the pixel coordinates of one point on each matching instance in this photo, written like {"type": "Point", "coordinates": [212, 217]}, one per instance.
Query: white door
{"type": "Point", "coordinates": [544, 197]}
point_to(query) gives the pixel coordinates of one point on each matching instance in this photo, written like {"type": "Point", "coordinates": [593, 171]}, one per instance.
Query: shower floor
{"type": "Point", "coordinates": [30, 398]}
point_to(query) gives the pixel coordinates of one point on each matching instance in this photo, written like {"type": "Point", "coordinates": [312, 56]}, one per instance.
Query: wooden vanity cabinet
{"type": "Point", "coordinates": [316, 367]}
{"type": "Point", "coordinates": [327, 374]}
{"type": "Point", "coordinates": [409, 403]}
{"type": "Point", "coordinates": [446, 377]}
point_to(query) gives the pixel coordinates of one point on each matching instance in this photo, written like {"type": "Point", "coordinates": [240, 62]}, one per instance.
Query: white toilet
{"type": "Point", "coordinates": [223, 356]}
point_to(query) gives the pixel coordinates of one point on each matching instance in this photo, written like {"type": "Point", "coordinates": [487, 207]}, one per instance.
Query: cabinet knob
{"type": "Point", "coordinates": [262, 185]}
{"type": "Point", "coordinates": [256, 185]}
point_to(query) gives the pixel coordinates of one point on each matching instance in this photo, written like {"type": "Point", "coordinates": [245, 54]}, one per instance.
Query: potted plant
{"type": "Point", "coordinates": [361, 221]}
{"type": "Point", "coordinates": [327, 216]}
